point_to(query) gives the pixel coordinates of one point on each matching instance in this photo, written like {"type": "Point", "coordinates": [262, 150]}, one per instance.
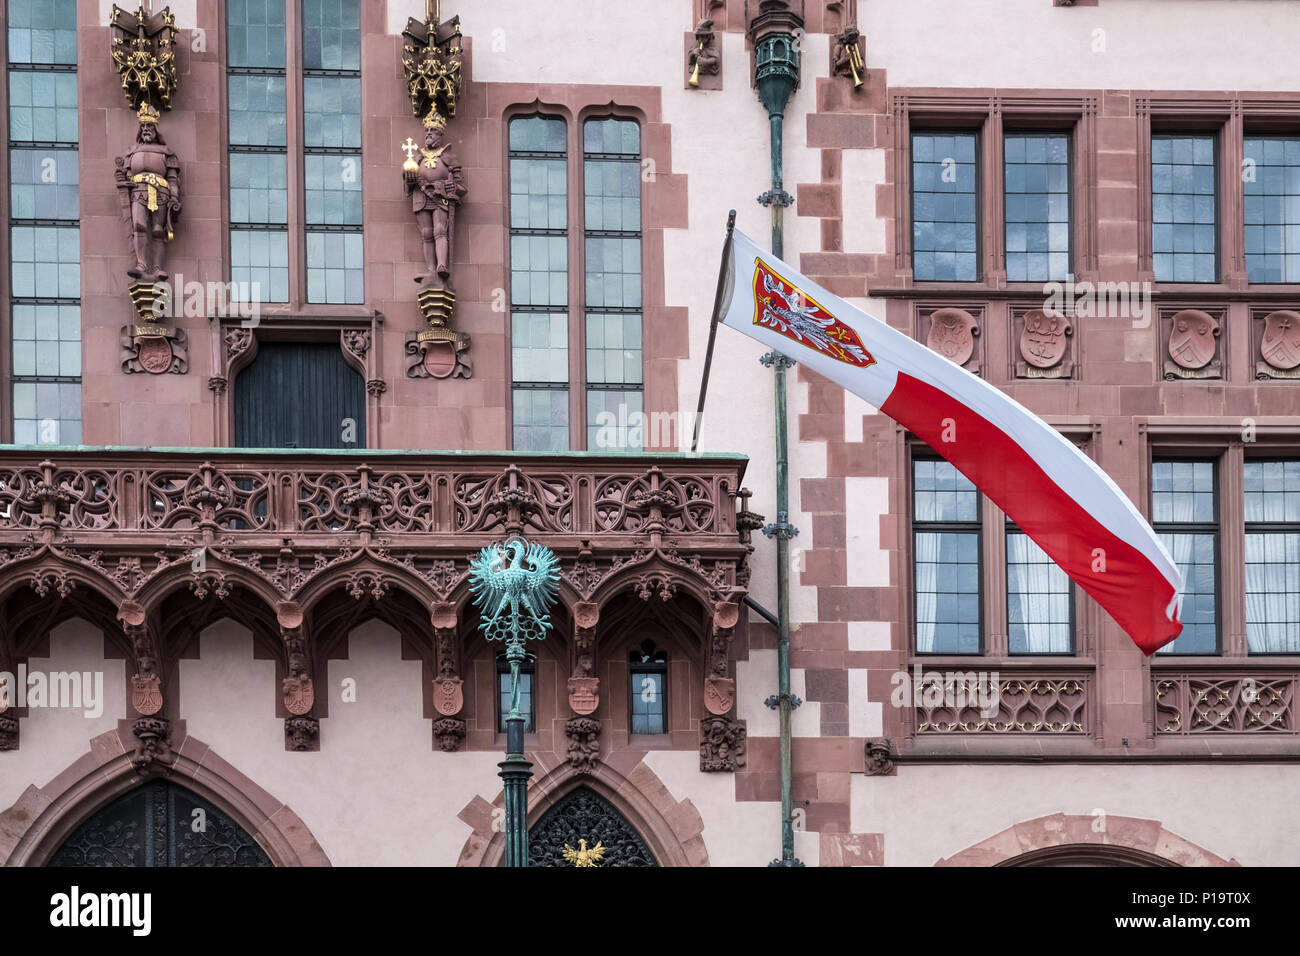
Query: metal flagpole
{"type": "Point", "coordinates": [713, 327]}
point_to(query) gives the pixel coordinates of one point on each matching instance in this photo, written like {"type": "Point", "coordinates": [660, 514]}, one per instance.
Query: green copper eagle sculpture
{"type": "Point", "coordinates": [514, 585]}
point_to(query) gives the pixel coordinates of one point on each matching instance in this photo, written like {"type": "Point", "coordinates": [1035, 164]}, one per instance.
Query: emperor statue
{"type": "Point", "coordinates": [436, 185]}
{"type": "Point", "coordinates": [148, 178]}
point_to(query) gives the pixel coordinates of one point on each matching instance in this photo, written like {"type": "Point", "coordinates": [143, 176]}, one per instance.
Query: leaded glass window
{"type": "Point", "coordinates": [1273, 556]}
{"type": "Point", "coordinates": [1184, 218]}
{"type": "Point", "coordinates": [1039, 603]}
{"type": "Point", "coordinates": [946, 543]}
{"type": "Point", "coordinates": [1184, 512]}
{"type": "Point", "coordinates": [945, 194]}
{"type": "Point", "coordinates": [1271, 181]}
{"type": "Point", "coordinates": [1037, 173]}
{"type": "Point", "coordinates": [648, 689]}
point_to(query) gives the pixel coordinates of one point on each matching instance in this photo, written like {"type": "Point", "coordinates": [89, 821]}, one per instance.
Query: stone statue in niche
{"type": "Point", "coordinates": [952, 334]}
{"type": "Point", "coordinates": [435, 185]}
{"type": "Point", "coordinates": [149, 179]}
{"type": "Point", "coordinates": [1193, 346]}
{"type": "Point", "coordinates": [1279, 346]}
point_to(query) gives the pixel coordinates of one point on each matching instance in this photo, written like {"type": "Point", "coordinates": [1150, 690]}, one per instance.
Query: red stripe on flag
{"type": "Point", "coordinates": [1131, 589]}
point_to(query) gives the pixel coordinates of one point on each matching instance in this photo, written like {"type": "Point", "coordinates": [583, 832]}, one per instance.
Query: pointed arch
{"type": "Point", "coordinates": [672, 829]}
{"type": "Point", "coordinates": [44, 817]}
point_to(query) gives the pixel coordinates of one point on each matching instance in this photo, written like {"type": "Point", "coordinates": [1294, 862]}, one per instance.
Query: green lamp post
{"type": "Point", "coordinates": [514, 585]}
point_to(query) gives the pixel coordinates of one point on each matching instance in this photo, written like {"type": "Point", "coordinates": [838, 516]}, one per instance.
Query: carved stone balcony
{"type": "Point", "coordinates": [124, 519]}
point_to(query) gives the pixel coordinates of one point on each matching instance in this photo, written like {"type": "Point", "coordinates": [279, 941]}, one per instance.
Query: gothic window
{"type": "Point", "coordinates": [584, 815]}
{"type": "Point", "coordinates": [159, 824]}
{"type": "Point", "coordinates": [648, 689]}
{"type": "Point", "coordinates": [44, 231]}
{"type": "Point", "coordinates": [527, 671]}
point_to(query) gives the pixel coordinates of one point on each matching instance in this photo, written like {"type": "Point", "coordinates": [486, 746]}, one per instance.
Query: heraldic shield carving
{"type": "Point", "coordinates": [1193, 344]}
{"type": "Point", "coordinates": [719, 695]}
{"type": "Point", "coordinates": [584, 695]}
{"type": "Point", "coordinates": [952, 335]}
{"type": "Point", "coordinates": [1044, 342]}
{"type": "Point", "coordinates": [298, 695]}
{"type": "Point", "coordinates": [146, 694]}
{"type": "Point", "coordinates": [448, 695]}
{"type": "Point", "coordinates": [1280, 346]}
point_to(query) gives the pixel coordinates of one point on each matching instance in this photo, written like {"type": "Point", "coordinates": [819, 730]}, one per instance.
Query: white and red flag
{"type": "Point", "coordinates": [1052, 491]}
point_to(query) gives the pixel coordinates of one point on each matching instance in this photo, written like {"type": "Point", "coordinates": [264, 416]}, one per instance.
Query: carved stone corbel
{"type": "Point", "coordinates": [583, 734]}
{"type": "Point", "coordinates": [300, 733]}
{"type": "Point", "coordinates": [448, 687]}
{"type": "Point", "coordinates": [296, 689]}
{"type": "Point", "coordinates": [153, 750]}
{"type": "Point", "coordinates": [880, 758]}
{"type": "Point", "coordinates": [722, 744]}
{"type": "Point", "coordinates": [146, 684]}
{"type": "Point", "coordinates": [719, 689]}
{"type": "Point", "coordinates": [584, 685]}
{"type": "Point", "coordinates": [449, 732]}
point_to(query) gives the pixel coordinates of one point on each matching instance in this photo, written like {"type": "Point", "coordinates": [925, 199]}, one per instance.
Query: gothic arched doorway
{"type": "Point", "coordinates": [159, 824]}
{"type": "Point", "coordinates": [581, 815]}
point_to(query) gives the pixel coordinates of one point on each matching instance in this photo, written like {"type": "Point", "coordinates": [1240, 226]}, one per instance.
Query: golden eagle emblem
{"type": "Point", "coordinates": [582, 856]}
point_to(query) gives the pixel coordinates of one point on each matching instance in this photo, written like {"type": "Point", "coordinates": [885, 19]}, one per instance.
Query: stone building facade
{"type": "Point", "coordinates": [285, 633]}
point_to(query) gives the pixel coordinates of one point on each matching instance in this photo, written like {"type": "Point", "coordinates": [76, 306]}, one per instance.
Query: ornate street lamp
{"type": "Point", "coordinates": [514, 585]}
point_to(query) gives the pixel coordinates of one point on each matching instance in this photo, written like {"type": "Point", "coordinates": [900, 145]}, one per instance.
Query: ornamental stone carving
{"type": "Point", "coordinates": [880, 758]}
{"type": "Point", "coordinates": [448, 687]}
{"type": "Point", "coordinates": [8, 732]}
{"type": "Point", "coordinates": [297, 691]}
{"type": "Point", "coordinates": [1278, 335]}
{"type": "Point", "coordinates": [1193, 345]}
{"type": "Point", "coordinates": [449, 733]}
{"type": "Point", "coordinates": [583, 734]}
{"type": "Point", "coordinates": [153, 752]}
{"type": "Point", "coordinates": [703, 57]}
{"type": "Point", "coordinates": [300, 733]}
{"type": "Point", "coordinates": [952, 334]}
{"type": "Point", "coordinates": [146, 685]}
{"type": "Point", "coordinates": [722, 744]}
{"type": "Point", "coordinates": [1045, 345]}
{"type": "Point", "coordinates": [719, 689]}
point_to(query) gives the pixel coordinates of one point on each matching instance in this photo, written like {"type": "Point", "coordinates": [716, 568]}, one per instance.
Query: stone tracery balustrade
{"type": "Point", "coordinates": [1256, 702]}
{"type": "Point", "coordinates": [1054, 704]}
{"type": "Point", "coordinates": [286, 517]}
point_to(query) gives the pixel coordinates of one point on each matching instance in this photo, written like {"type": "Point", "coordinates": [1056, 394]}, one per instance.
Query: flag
{"type": "Point", "coordinates": [1053, 492]}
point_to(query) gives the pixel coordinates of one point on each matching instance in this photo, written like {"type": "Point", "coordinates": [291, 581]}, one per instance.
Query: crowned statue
{"type": "Point", "coordinates": [435, 184]}
{"type": "Point", "coordinates": [148, 178]}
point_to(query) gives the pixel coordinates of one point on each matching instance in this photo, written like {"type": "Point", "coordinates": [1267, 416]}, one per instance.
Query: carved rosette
{"type": "Point", "coordinates": [583, 734]}
{"type": "Point", "coordinates": [722, 744]}
{"type": "Point", "coordinates": [448, 733]}
{"type": "Point", "coordinates": [1045, 345]}
{"type": "Point", "coordinates": [153, 752]}
{"type": "Point", "coordinates": [953, 333]}
{"type": "Point", "coordinates": [300, 733]}
{"type": "Point", "coordinates": [1192, 345]}
{"type": "Point", "coordinates": [879, 755]}
{"type": "Point", "coordinates": [1277, 345]}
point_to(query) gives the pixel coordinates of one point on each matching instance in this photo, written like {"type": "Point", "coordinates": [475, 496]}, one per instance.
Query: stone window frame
{"type": "Point", "coordinates": [575, 117]}
{"type": "Point", "coordinates": [1231, 117]}
{"type": "Point", "coordinates": [297, 306]}
{"type": "Point", "coordinates": [1224, 443]}
{"type": "Point", "coordinates": [663, 669]}
{"type": "Point", "coordinates": [994, 113]}
{"type": "Point", "coordinates": [1086, 616]}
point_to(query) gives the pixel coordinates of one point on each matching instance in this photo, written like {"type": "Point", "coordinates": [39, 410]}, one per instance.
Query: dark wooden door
{"type": "Point", "coordinates": [299, 395]}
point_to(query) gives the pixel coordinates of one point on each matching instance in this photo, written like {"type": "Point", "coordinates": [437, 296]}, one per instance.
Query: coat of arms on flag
{"type": "Point", "coordinates": [786, 309]}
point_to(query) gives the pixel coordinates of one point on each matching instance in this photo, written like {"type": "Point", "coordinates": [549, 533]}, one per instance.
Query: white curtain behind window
{"type": "Point", "coordinates": [926, 588]}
